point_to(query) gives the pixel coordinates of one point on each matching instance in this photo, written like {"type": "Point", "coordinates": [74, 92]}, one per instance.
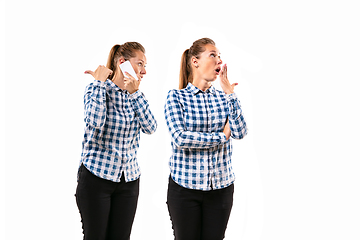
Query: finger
{"type": "Point", "coordinates": [132, 77]}
{"type": "Point", "coordinates": [223, 71]}
{"type": "Point", "coordinates": [89, 72]}
{"type": "Point", "coordinates": [129, 76]}
{"type": "Point", "coordinates": [127, 80]}
{"type": "Point", "coordinates": [234, 84]}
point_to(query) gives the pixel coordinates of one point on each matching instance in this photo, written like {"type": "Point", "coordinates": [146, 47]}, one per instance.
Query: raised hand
{"type": "Point", "coordinates": [101, 73]}
{"type": "Point", "coordinates": [224, 81]}
{"type": "Point", "coordinates": [131, 84]}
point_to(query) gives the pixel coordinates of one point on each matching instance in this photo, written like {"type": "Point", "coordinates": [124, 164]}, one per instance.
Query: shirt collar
{"type": "Point", "coordinates": [194, 90]}
{"type": "Point", "coordinates": [112, 85]}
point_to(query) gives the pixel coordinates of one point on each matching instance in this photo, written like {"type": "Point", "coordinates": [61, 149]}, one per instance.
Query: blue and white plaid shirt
{"type": "Point", "coordinates": [201, 155]}
{"type": "Point", "coordinates": [113, 120]}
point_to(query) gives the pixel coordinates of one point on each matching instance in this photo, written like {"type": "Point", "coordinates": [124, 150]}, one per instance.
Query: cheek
{"type": "Point", "coordinates": [209, 68]}
{"type": "Point", "coordinates": [136, 69]}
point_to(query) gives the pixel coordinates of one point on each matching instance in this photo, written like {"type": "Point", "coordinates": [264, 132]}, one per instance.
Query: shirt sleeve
{"type": "Point", "coordinates": [177, 127]}
{"type": "Point", "coordinates": [140, 105]}
{"type": "Point", "coordinates": [95, 104]}
{"type": "Point", "coordinates": [236, 119]}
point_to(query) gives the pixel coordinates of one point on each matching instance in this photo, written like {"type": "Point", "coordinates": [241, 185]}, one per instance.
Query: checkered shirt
{"type": "Point", "coordinates": [113, 120]}
{"type": "Point", "coordinates": [201, 155]}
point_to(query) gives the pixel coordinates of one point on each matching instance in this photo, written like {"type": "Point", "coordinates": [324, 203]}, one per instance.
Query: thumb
{"type": "Point", "coordinates": [234, 84]}
{"type": "Point", "coordinates": [89, 72]}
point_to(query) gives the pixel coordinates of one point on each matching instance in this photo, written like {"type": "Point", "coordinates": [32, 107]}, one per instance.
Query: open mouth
{"type": "Point", "coordinates": [217, 70]}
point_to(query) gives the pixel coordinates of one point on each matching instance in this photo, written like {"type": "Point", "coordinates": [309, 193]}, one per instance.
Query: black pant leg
{"type": "Point", "coordinates": [217, 207]}
{"type": "Point", "coordinates": [123, 208]}
{"type": "Point", "coordinates": [184, 207]}
{"type": "Point", "coordinates": [93, 197]}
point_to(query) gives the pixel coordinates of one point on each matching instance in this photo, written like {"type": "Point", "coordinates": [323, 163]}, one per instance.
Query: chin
{"type": "Point", "coordinates": [210, 80]}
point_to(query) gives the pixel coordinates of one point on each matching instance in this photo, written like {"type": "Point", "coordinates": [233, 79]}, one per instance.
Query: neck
{"type": "Point", "coordinates": [201, 84]}
{"type": "Point", "coordinates": [118, 79]}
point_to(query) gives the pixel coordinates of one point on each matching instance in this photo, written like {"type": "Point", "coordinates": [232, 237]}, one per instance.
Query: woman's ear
{"type": "Point", "coordinates": [121, 60]}
{"type": "Point", "coordinates": [194, 62]}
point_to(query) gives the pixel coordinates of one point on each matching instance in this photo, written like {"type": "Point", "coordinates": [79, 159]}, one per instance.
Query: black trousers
{"type": "Point", "coordinates": [199, 215]}
{"type": "Point", "coordinates": [107, 208]}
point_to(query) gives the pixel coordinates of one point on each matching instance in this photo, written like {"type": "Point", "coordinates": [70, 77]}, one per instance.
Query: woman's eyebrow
{"type": "Point", "coordinates": [213, 51]}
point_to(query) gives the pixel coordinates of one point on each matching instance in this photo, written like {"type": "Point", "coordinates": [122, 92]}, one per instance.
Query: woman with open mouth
{"type": "Point", "coordinates": [201, 121]}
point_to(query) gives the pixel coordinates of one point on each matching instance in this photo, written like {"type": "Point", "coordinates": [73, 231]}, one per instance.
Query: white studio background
{"type": "Point", "coordinates": [297, 65]}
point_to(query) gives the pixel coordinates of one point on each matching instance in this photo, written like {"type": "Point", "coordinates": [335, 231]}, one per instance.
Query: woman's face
{"type": "Point", "coordinates": [138, 63]}
{"type": "Point", "coordinates": [208, 65]}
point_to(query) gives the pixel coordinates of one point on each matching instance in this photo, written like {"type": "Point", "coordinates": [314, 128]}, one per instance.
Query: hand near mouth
{"type": "Point", "coordinates": [224, 81]}
{"type": "Point", "coordinates": [131, 84]}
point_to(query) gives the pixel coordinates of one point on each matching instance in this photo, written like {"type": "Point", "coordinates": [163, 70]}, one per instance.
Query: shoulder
{"type": "Point", "coordinates": [94, 84]}
{"type": "Point", "coordinates": [174, 93]}
{"type": "Point", "coordinates": [220, 93]}
{"type": "Point", "coordinates": [172, 97]}
{"type": "Point", "coordinates": [179, 92]}
{"type": "Point", "coordinates": [178, 95]}
{"type": "Point", "coordinates": [219, 96]}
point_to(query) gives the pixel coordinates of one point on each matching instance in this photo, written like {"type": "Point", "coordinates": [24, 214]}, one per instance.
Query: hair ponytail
{"type": "Point", "coordinates": [185, 70]}
{"type": "Point", "coordinates": [126, 50]}
{"type": "Point", "coordinates": [113, 56]}
{"type": "Point", "coordinates": [186, 75]}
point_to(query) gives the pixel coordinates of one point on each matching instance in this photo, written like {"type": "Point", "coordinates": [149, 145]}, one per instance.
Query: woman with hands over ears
{"type": "Point", "coordinates": [108, 177]}
{"type": "Point", "coordinates": [201, 121]}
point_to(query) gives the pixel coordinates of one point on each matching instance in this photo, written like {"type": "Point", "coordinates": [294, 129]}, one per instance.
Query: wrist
{"type": "Point", "coordinates": [229, 92]}
{"type": "Point", "coordinates": [133, 91]}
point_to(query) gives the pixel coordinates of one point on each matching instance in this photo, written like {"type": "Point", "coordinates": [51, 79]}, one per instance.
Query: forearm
{"type": "Point", "coordinates": [238, 127]}
{"type": "Point", "coordinates": [187, 139]}
{"type": "Point", "coordinates": [236, 119]}
{"type": "Point", "coordinates": [141, 107]}
{"type": "Point", "coordinates": [182, 137]}
{"type": "Point", "coordinates": [95, 104]}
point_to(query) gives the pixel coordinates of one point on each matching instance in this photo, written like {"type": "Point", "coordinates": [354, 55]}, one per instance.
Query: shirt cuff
{"type": "Point", "coordinates": [135, 95]}
{"type": "Point", "coordinates": [98, 83]}
{"type": "Point", "coordinates": [223, 138]}
{"type": "Point", "coordinates": [231, 96]}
